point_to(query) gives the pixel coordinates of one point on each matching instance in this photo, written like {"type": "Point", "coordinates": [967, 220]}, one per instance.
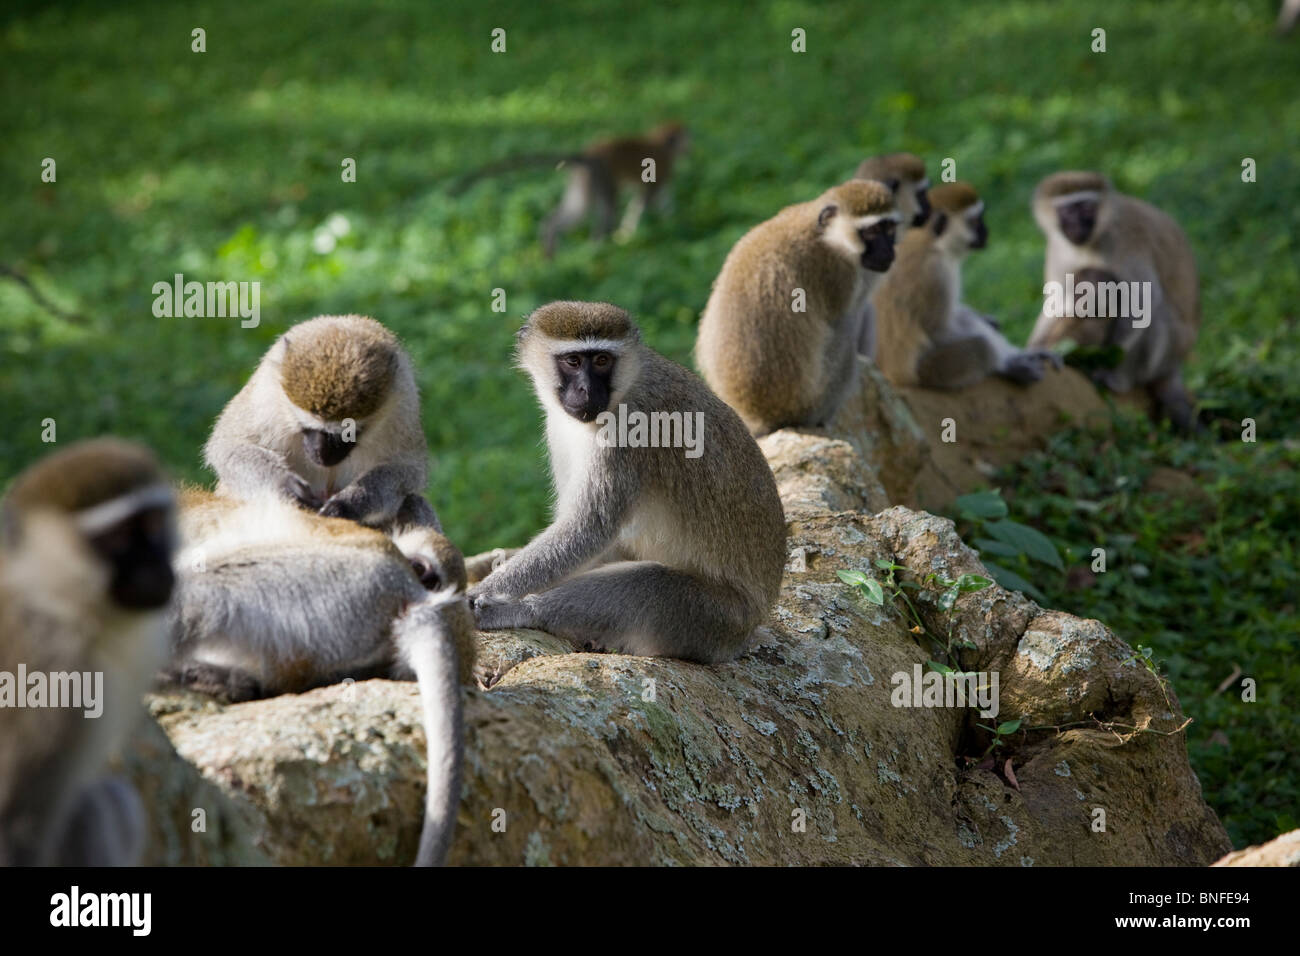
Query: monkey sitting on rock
{"type": "Point", "coordinates": [925, 334]}
{"type": "Point", "coordinates": [904, 174]}
{"type": "Point", "coordinates": [272, 599]}
{"type": "Point", "coordinates": [330, 420]}
{"type": "Point", "coordinates": [655, 550]}
{"type": "Point", "coordinates": [1126, 243]}
{"type": "Point", "coordinates": [778, 340]}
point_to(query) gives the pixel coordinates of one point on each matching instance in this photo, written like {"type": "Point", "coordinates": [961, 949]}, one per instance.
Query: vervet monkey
{"type": "Point", "coordinates": [330, 420]}
{"type": "Point", "coordinates": [778, 338]}
{"type": "Point", "coordinates": [925, 334]}
{"type": "Point", "coordinates": [595, 175]}
{"type": "Point", "coordinates": [654, 550]}
{"type": "Point", "coordinates": [272, 600]}
{"type": "Point", "coordinates": [1287, 15]}
{"type": "Point", "coordinates": [904, 174]}
{"type": "Point", "coordinates": [1089, 224]}
{"type": "Point", "coordinates": [86, 539]}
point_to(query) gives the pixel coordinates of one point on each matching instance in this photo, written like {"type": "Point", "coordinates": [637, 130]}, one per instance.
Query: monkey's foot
{"type": "Point", "coordinates": [497, 614]}
{"type": "Point", "coordinates": [299, 492]}
{"type": "Point", "coordinates": [224, 683]}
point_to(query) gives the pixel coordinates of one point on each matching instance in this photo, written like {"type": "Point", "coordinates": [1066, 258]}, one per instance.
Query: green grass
{"type": "Point", "coordinates": [224, 165]}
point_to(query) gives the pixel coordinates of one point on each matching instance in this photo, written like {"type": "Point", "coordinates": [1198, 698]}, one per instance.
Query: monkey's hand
{"type": "Point", "coordinates": [496, 613]}
{"type": "Point", "coordinates": [341, 505]}
{"type": "Point", "coordinates": [1025, 368]}
{"type": "Point", "coordinates": [297, 490]}
{"type": "Point", "coordinates": [1047, 355]}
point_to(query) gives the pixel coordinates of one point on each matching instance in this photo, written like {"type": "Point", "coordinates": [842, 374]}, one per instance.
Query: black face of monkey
{"type": "Point", "coordinates": [138, 552]}
{"type": "Point", "coordinates": [981, 231]}
{"type": "Point", "coordinates": [584, 383]}
{"type": "Point", "coordinates": [923, 210]}
{"type": "Point", "coordinates": [879, 241]}
{"type": "Point", "coordinates": [1077, 220]}
{"type": "Point", "coordinates": [325, 448]}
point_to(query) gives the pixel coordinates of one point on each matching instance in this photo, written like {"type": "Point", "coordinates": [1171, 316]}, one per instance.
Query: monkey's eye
{"type": "Point", "coordinates": [572, 361]}
{"type": "Point", "coordinates": [602, 360]}
{"type": "Point", "coordinates": [888, 228]}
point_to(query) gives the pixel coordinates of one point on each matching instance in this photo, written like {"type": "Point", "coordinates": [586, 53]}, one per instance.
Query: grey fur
{"type": "Point", "coordinates": [651, 552]}
{"type": "Point", "coordinates": [256, 446]}
{"type": "Point", "coordinates": [58, 616]}
{"type": "Point", "coordinates": [307, 602]}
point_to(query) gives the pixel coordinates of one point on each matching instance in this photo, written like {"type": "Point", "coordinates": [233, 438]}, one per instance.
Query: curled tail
{"type": "Point", "coordinates": [427, 641]}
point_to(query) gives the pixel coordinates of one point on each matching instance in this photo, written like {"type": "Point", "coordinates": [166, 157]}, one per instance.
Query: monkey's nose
{"type": "Point", "coordinates": [325, 448]}
{"type": "Point", "coordinates": [427, 573]}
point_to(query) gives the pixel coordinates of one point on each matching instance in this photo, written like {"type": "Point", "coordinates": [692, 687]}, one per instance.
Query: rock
{"type": "Point", "coordinates": [898, 434]}
{"type": "Point", "coordinates": [191, 819]}
{"type": "Point", "coordinates": [1282, 851]}
{"type": "Point", "coordinates": [794, 754]}
{"type": "Point", "coordinates": [881, 428]}
{"type": "Point", "coordinates": [995, 423]}
{"type": "Point", "coordinates": [825, 474]}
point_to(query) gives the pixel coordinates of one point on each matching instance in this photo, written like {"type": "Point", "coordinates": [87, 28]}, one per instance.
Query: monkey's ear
{"type": "Point", "coordinates": [939, 223]}
{"type": "Point", "coordinates": [826, 215]}
{"type": "Point", "coordinates": [893, 185]}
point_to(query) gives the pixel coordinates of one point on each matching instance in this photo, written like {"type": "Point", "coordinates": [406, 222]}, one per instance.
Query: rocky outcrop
{"type": "Point", "coordinates": [794, 754]}
{"type": "Point", "coordinates": [1282, 851]}
{"type": "Point", "coordinates": [901, 432]}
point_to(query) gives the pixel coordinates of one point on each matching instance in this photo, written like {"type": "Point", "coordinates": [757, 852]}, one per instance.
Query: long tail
{"type": "Point", "coordinates": [510, 164]}
{"type": "Point", "coordinates": [426, 640]}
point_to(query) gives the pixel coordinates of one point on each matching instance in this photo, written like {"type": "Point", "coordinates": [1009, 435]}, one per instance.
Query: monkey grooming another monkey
{"type": "Point", "coordinates": [778, 338]}
{"type": "Point", "coordinates": [904, 174]}
{"type": "Point", "coordinates": [329, 420]}
{"type": "Point", "coordinates": [86, 537]}
{"type": "Point", "coordinates": [1090, 225]}
{"type": "Point", "coordinates": [925, 334]}
{"type": "Point", "coordinates": [595, 175]}
{"type": "Point", "coordinates": [272, 600]}
{"type": "Point", "coordinates": [654, 550]}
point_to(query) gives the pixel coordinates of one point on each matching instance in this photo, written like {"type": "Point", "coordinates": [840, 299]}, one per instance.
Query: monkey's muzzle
{"type": "Point", "coordinates": [879, 252]}
{"type": "Point", "coordinates": [325, 448]}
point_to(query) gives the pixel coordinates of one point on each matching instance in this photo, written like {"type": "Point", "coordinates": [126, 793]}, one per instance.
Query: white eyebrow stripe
{"type": "Point", "coordinates": [924, 183]}
{"type": "Point", "coordinates": [563, 346]}
{"type": "Point", "coordinates": [976, 210]}
{"type": "Point", "coordinates": [103, 516]}
{"type": "Point", "coordinates": [1074, 197]}
{"type": "Point", "coordinates": [863, 221]}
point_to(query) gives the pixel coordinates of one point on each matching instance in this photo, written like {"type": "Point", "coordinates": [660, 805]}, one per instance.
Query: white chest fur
{"type": "Point", "coordinates": [572, 445]}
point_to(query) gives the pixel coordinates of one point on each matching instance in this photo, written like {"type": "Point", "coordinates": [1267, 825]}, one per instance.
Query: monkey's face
{"type": "Point", "coordinates": [922, 199]}
{"type": "Point", "coordinates": [584, 382]}
{"type": "Point", "coordinates": [138, 552]}
{"type": "Point", "coordinates": [326, 447]}
{"type": "Point", "coordinates": [979, 233]}
{"type": "Point", "coordinates": [1078, 219]}
{"type": "Point", "coordinates": [878, 245]}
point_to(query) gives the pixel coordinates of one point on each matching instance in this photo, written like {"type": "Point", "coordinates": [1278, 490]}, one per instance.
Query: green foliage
{"type": "Point", "coordinates": [984, 520]}
{"type": "Point", "coordinates": [225, 165]}
{"type": "Point", "coordinates": [933, 588]}
{"type": "Point", "coordinates": [1202, 541]}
